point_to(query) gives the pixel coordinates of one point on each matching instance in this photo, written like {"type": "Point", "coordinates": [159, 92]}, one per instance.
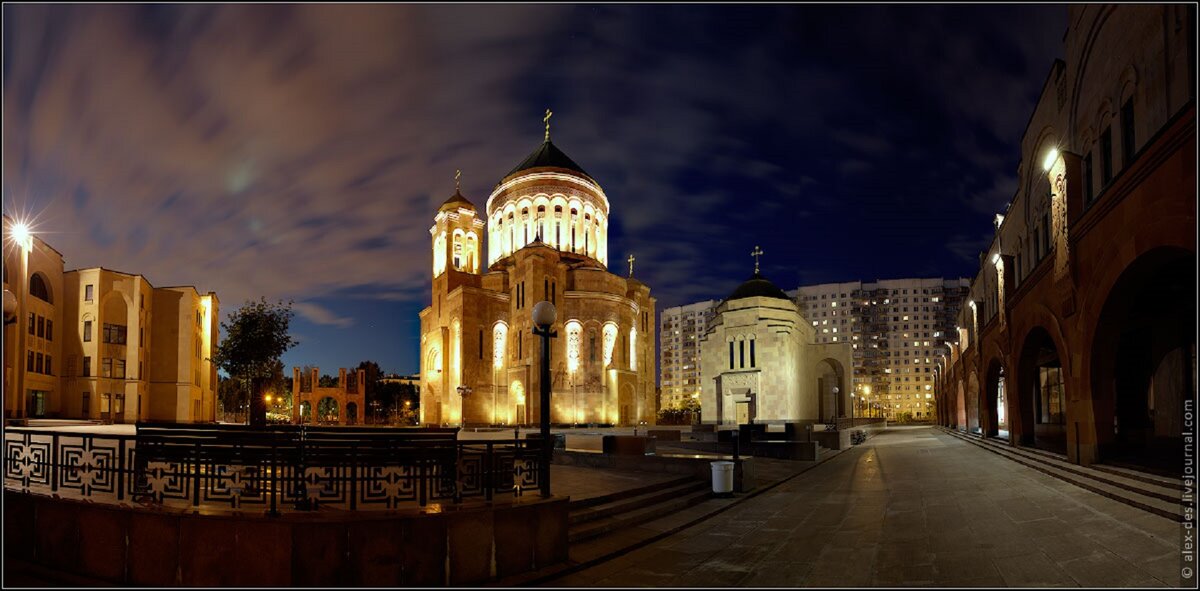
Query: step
{"type": "Point", "coordinates": [1148, 478]}
{"type": "Point", "coordinates": [577, 504]}
{"type": "Point", "coordinates": [600, 527]}
{"type": "Point", "coordinates": [1136, 498]}
{"type": "Point", "coordinates": [585, 514]}
{"type": "Point", "coordinates": [1163, 492]}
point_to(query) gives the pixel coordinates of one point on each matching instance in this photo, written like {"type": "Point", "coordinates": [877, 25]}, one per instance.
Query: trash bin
{"type": "Point", "coordinates": [722, 479]}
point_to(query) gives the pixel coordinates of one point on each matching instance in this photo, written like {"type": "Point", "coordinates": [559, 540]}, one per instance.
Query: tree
{"type": "Point", "coordinates": [373, 374]}
{"type": "Point", "coordinates": [256, 336]}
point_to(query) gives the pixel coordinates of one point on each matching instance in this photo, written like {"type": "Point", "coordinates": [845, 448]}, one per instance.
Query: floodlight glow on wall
{"type": "Point", "coordinates": [1051, 158]}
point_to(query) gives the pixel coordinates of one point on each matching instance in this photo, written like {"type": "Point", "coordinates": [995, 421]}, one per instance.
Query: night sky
{"type": "Point", "coordinates": [300, 152]}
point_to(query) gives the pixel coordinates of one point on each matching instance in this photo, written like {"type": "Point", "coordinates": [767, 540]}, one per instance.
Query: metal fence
{"type": "Point", "coordinates": [288, 468]}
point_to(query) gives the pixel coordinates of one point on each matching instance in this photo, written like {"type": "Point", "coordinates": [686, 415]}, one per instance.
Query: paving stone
{"type": "Point", "coordinates": [1102, 569]}
{"type": "Point", "coordinates": [777, 574]}
{"type": "Point", "coordinates": [1031, 570]}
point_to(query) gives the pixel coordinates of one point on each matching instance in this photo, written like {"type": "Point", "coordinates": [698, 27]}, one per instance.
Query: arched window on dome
{"type": "Point", "coordinates": [558, 210]}
{"type": "Point", "coordinates": [587, 234]}
{"type": "Point", "coordinates": [574, 220]}
{"type": "Point", "coordinates": [511, 240]}
{"type": "Point", "coordinates": [525, 226]}
{"type": "Point", "coordinates": [541, 223]}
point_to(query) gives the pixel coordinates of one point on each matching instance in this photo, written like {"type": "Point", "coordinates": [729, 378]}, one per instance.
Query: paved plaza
{"type": "Point", "coordinates": [910, 507]}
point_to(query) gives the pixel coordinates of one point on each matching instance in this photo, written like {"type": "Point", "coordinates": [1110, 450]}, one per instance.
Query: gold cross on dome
{"type": "Point", "coordinates": [630, 260]}
{"type": "Point", "coordinates": [757, 252]}
{"type": "Point", "coordinates": [458, 180]}
{"type": "Point", "coordinates": [546, 120]}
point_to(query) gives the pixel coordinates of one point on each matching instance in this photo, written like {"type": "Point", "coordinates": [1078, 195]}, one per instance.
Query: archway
{"type": "Point", "coordinates": [995, 413]}
{"type": "Point", "coordinates": [1041, 393]}
{"type": "Point", "coordinates": [351, 413]}
{"type": "Point", "coordinates": [830, 390]}
{"type": "Point", "coordinates": [328, 411]}
{"type": "Point", "coordinates": [1143, 361]}
{"type": "Point", "coordinates": [306, 412]}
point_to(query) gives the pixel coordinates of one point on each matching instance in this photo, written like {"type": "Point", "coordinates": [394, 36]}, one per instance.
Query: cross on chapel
{"type": "Point", "coordinates": [457, 180]}
{"type": "Point", "coordinates": [757, 252]}
{"type": "Point", "coordinates": [546, 120]}
{"type": "Point", "coordinates": [630, 260]}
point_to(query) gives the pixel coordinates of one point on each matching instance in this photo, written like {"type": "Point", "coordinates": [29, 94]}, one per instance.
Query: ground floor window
{"type": "Point", "coordinates": [1050, 396]}
{"type": "Point", "coordinates": [37, 403]}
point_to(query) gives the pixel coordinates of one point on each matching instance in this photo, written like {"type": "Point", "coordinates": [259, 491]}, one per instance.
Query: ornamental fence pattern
{"type": "Point", "coordinates": [276, 469]}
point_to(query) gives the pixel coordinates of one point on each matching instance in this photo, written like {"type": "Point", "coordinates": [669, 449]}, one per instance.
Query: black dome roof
{"type": "Point", "coordinates": [548, 154]}
{"type": "Point", "coordinates": [757, 287]}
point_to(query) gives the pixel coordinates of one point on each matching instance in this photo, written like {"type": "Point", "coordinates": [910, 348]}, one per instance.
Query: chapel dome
{"type": "Point", "coordinates": [456, 201]}
{"type": "Point", "coordinates": [757, 287]}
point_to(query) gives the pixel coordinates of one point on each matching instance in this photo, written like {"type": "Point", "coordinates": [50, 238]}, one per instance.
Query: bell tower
{"type": "Point", "coordinates": [456, 234]}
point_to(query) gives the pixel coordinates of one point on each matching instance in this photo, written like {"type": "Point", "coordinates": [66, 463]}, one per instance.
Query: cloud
{"type": "Point", "coordinates": [300, 151]}
{"type": "Point", "coordinates": [321, 315]}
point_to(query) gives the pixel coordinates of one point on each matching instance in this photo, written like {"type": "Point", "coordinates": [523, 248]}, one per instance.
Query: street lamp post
{"type": "Point", "coordinates": [836, 402]}
{"type": "Point", "coordinates": [543, 318]}
{"type": "Point", "coordinates": [463, 392]}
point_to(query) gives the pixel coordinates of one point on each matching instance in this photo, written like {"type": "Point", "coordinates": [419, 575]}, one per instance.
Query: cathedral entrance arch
{"type": "Point", "coordinates": [1143, 361]}
{"type": "Point", "coordinates": [517, 392]}
{"type": "Point", "coordinates": [831, 390]}
{"type": "Point", "coordinates": [1041, 395]}
{"type": "Point", "coordinates": [995, 418]}
{"type": "Point", "coordinates": [306, 415]}
{"type": "Point", "coordinates": [351, 413]}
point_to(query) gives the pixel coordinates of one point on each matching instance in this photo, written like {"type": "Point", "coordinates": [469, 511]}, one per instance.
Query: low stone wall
{"type": "Point", "coordinates": [460, 545]}
{"type": "Point", "coordinates": [701, 468]}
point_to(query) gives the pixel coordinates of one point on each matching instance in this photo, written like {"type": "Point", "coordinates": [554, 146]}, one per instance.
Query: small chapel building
{"type": "Point", "coordinates": [760, 363]}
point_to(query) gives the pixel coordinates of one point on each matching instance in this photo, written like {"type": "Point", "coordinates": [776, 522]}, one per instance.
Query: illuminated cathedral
{"type": "Point", "coordinates": [546, 224]}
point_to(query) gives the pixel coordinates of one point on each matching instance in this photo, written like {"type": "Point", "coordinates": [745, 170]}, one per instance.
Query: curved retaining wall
{"type": "Point", "coordinates": [445, 545]}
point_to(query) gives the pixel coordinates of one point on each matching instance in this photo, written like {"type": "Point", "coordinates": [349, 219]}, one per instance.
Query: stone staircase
{"type": "Point", "coordinates": [1155, 494]}
{"type": "Point", "coordinates": [598, 516]}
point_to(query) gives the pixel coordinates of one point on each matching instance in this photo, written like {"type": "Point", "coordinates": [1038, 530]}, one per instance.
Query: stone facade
{"type": "Point", "coordinates": [1082, 314]}
{"type": "Point", "coordinates": [105, 345]}
{"type": "Point", "coordinates": [548, 241]}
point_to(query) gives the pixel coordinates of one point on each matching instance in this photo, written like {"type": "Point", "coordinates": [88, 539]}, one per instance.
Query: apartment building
{"type": "Point", "coordinates": [681, 329]}
{"type": "Point", "coordinates": [897, 329]}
